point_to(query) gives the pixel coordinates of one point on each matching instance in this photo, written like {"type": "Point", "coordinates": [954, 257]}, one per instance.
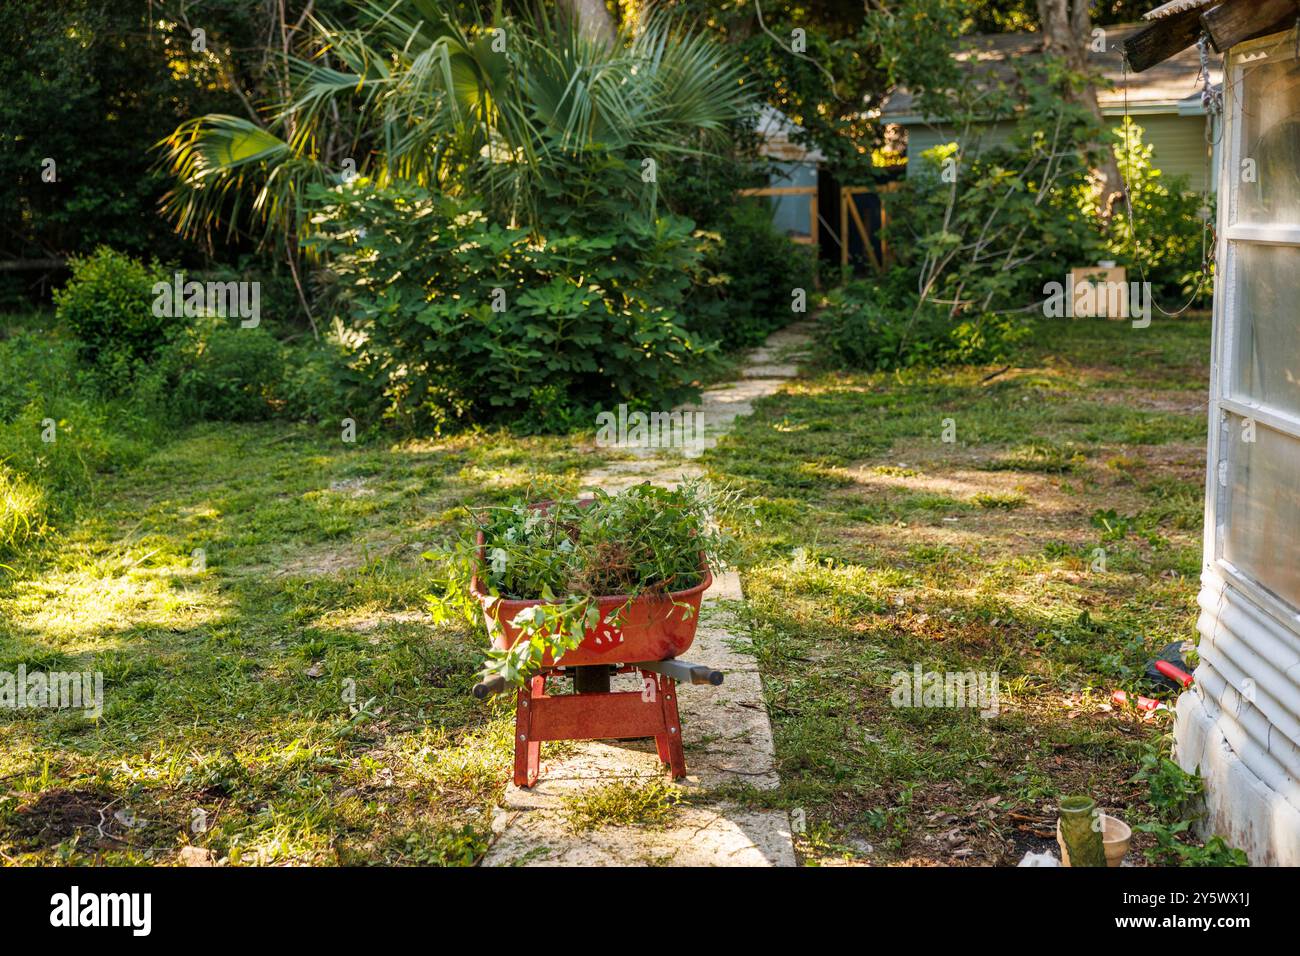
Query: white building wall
{"type": "Point", "coordinates": [1240, 724]}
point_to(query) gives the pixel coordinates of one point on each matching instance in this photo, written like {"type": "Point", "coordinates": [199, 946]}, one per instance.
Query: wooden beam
{"type": "Point", "coordinates": [779, 191]}
{"type": "Point", "coordinates": [1162, 39]}
{"type": "Point", "coordinates": [1236, 21]}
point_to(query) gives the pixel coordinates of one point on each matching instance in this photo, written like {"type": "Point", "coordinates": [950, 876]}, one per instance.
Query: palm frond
{"type": "Point", "coordinates": [229, 169]}
{"type": "Point", "coordinates": [436, 100]}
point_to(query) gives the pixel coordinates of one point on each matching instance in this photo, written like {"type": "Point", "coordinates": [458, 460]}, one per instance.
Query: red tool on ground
{"type": "Point", "coordinates": [1175, 674]}
{"type": "Point", "coordinates": [1169, 669]}
{"type": "Point", "coordinates": [1148, 704]}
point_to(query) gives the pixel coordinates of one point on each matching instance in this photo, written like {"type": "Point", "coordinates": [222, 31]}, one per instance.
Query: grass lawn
{"type": "Point", "coordinates": [280, 697]}
{"type": "Point", "coordinates": [883, 546]}
{"type": "Point", "coordinates": [274, 692]}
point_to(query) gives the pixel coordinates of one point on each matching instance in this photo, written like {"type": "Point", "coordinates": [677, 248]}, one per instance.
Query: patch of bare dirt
{"type": "Point", "coordinates": [322, 562]}
{"type": "Point", "coordinates": [1149, 400]}
{"type": "Point", "coordinates": [57, 815]}
{"type": "Point", "coordinates": [351, 487]}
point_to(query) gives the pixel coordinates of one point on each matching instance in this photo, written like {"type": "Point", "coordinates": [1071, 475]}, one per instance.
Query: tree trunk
{"type": "Point", "coordinates": [593, 18]}
{"type": "Point", "coordinates": [1067, 33]}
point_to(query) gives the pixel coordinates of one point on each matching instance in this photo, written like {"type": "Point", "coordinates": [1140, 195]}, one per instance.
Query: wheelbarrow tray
{"type": "Point", "coordinates": [654, 627]}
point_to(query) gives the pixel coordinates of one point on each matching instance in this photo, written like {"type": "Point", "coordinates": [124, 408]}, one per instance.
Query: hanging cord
{"type": "Point", "coordinates": [1212, 101]}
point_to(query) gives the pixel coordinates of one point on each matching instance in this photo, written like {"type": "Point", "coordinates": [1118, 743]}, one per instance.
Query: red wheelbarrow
{"type": "Point", "coordinates": [651, 631]}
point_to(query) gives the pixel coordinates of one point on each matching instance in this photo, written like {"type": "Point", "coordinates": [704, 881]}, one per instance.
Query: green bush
{"type": "Point", "coordinates": [993, 241]}
{"type": "Point", "coordinates": [747, 272]}
{"type": "Point", "coordinates": [985, 220]}
{"type": "Point", "coordinates": [453, 317]}
{"type": "Point", "coordinates": [319, 384]}
{"type": "Point", "coordinates": [108, 305]}
{"type": "Point", "coordinates": [278, 303]}
{"type": "Point", "coordinates": [34, 364]}
{"type": "Point", "coordinates": [226, 373]}
{"type": "Point", "coordinates": [745, 283]}
{"type": "Point", "coordinates": [59, 432]}
{"type": "Point", "coordinates": [869, 326]}
{"type": "Point", "coordinates": [1166, 218]}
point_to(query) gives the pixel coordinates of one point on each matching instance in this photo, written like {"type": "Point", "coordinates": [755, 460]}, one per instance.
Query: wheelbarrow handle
{"type": "Point", "coordinates": [485, 689]}
{"type": "Point", "coordinates": [683, 671]}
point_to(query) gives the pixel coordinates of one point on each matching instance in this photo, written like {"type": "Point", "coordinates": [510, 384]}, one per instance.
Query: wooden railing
{"type": "Point", "coordinates": [809, 191]}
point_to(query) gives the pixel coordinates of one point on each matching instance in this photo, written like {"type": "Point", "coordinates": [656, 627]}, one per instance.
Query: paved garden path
{"type": "Point", "coordinates": [726, 731]}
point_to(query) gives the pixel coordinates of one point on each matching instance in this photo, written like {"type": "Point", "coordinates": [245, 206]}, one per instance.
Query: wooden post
{"type": "Point", "coordinates": [844, 227]}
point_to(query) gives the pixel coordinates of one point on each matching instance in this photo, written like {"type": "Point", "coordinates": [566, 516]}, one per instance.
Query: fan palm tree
{"type": "Point", "coordinates": [495, 108]}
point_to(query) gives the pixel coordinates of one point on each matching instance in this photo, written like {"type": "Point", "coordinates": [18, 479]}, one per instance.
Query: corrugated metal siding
{"type": "Point", "coordinates": [1179, 143]}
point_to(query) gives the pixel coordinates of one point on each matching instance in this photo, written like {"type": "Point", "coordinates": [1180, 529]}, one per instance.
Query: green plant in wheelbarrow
{"type": "Point", "coordinates": [597, 580]}
{"type": "Point", "coordinates": [585, 589]}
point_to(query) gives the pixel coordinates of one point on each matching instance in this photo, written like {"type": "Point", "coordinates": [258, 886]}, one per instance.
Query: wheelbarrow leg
{"type": "Point", "coordinates": [528, 752]}
{"type": "Point", "coordinates": [669, 744]}
{"type": "Point", "coordinates": [652, 683]}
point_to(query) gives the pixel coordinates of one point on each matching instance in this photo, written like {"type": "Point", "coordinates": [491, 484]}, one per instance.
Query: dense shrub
{"type": "Point", "coordinates": [278, 302]}
{"type": "Point", "coordinates": [35, 363]}
{"type": "Point", "coordinates": [747, 271]}
{"type": "Point", "coordinates": [995, 239]}
{"type": "Point", "coordinates": [864, 326]}
{"type": "Point", "coordinates": [985, 221]}
{"type": "Point", "coordinates": [1055, 233]}
{"type": "Point", "coordinates": [744, 285]}
{"type": "Point", "coordinates": [108, 305]}
{"type": "Point", "coordinates": [225, 372]}
{"type": "Point", "coordinates": [453, 316]}
{"type": "Point", "coordinates": [319, 384]}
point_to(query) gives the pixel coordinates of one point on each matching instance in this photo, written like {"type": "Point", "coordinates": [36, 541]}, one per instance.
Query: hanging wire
{"type": "Point", "coordinates": [1211, 99]}
{"type": "Point", "coordinates": [1212, 102]}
